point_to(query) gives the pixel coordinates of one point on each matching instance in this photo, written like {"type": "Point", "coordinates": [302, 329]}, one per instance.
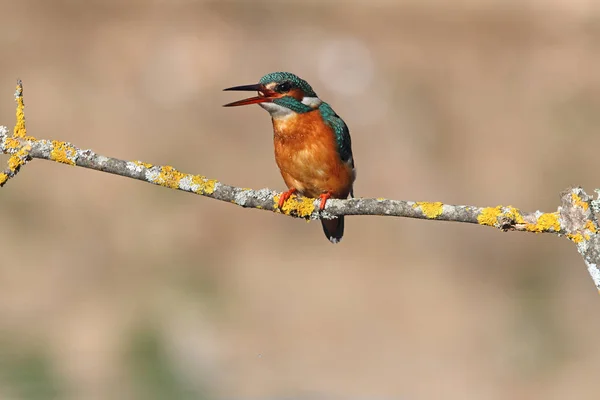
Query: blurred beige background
{"type": "Point", "coordinates": [115, 289]}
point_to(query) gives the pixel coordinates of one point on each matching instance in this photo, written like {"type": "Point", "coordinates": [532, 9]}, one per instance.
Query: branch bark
{"type": "Point", "coordinates": [575, 218]}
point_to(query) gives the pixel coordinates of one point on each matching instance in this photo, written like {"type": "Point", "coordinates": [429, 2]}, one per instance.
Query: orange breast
{"type": "Point", "coordinates": [307, 156]}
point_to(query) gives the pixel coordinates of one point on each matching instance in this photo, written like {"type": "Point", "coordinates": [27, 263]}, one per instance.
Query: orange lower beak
{"type": "Point", "coordinates": [264, 95]}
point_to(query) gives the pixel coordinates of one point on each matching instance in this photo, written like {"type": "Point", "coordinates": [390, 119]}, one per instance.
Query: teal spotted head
{"type": "Point", "coordinates": [281, 94]}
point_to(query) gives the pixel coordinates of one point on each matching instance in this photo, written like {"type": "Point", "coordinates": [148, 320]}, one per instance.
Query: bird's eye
{"type": "Point", "coordinates": [284, 87]}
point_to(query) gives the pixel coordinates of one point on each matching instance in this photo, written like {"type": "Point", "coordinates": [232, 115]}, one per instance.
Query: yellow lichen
{"type": "Point", "coordinates": [169, 177]}
{"type": "Point", "coordinates": [205, 186]}
{"type": "Point", "coordinates": [302, 207]}
{"type": "Point", "coordinates": [11, 143]}
{"type": "Point", "coordinates": [575, 237]}
{"type": "Point", "coordinates": [514, 214]}
{"type": "Point", "coordinates": [14, 162]}
{"type": "Point", "coordinates": [143, 164]}
{"type": "Point", "coordinates": [585, 234]}
{"type": "Point", "coordinates": [489, 216]}
{"type": "Point", "coordinates": [380, 199]}
{"type": "Point", "coordinates": [578, 202]}
{"type": "Point", "coordinates": [62, 152]}
{"type": "Point", "coordinates": [430, 210]}
{"type": "Point", "coordinates": [590, 226]}
{"type": "Point", "coordinates": [20, 131]}
{"type": "Point", "coordinates": [546, 222]}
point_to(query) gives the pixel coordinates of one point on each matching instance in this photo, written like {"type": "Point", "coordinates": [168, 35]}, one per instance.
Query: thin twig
{"type": "Point", "coordinates": [19, 151]}
{"type": "Point", "coordinates": [574, 219]}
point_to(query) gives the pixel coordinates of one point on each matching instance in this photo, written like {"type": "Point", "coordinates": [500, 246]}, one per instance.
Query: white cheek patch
{"type": "Point", "coordinates": [277, 111]}
{"type": "Point", "coordinates": [312, 102]}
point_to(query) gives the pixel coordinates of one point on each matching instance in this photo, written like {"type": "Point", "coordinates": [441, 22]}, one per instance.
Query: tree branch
{"type": "Point", "coordinates": [18, 150]}
{"type": "Point", "coordinates": [575, 218]}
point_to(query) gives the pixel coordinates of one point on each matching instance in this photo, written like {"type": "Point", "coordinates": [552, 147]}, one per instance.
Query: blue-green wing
{"type": "Point", "coordinates": [342, 134]}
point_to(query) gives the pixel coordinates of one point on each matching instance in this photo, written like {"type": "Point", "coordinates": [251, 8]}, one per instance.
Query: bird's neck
{"type": "Point", "coordinates": [300, 127]}
{"type": "Point", "coordinates": [285, 107]}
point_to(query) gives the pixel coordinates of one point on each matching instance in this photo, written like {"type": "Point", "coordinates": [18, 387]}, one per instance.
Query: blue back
{"type": "Point", "coordinates": [342, 134]}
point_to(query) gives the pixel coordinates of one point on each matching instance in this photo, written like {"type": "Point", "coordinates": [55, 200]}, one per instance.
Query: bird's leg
{"type": "Point", "coordinates": [284, 196]}
{"type": "Point", "coordinates": [324, 197]}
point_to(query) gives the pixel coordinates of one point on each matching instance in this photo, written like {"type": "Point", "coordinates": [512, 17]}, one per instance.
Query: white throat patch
{"type": "Point", "coordinates": [280, 112]}
{"type": "Point", "coordinates": [277, 111]}
{"type": "Point", "coordinates": [312, 102]}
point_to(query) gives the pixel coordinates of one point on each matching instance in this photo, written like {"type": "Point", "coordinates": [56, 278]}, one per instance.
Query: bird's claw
{"type": "Point", "coordinates": [324, 197]}
{"type": "Point", "coordinates": [285, 196]}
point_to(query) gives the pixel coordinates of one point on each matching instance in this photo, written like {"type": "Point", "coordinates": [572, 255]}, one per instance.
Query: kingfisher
{"type": "Point", "coordinates": [313, 149]}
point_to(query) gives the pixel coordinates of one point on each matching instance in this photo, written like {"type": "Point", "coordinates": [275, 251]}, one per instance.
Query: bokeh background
{"type": "Point", "coordinates": [115, 289]}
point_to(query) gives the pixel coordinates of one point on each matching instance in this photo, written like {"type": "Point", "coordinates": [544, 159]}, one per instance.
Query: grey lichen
{"type": "Point", "coordinates": [596, 203]}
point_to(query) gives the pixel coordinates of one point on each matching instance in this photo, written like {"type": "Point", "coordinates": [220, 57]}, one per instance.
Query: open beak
{"type": "Point", "coordinates": [264, 95]}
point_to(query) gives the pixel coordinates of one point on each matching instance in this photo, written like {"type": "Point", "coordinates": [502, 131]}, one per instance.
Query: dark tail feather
{"type": "Point", "coordinates": [334, 228]}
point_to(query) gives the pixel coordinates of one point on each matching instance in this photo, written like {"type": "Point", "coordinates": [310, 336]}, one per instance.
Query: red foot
{"type": "Point", "coordinates": [284, 196]}
{"type": "Point", "coordinates": [324, 197]}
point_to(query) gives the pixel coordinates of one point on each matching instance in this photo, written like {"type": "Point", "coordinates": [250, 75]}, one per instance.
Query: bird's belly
{"type": "Point", "coordinates": [314, 168]}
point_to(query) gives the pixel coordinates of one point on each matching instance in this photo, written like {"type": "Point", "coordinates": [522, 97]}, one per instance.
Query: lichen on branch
{"type": "Point", "coordinates": [19, 152]}
{"type": "Point", "coordinates": [574, 219]}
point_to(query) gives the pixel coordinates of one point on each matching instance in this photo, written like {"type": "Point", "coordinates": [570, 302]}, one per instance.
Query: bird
{"type": "Point", "coordinates": [313, 149]}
